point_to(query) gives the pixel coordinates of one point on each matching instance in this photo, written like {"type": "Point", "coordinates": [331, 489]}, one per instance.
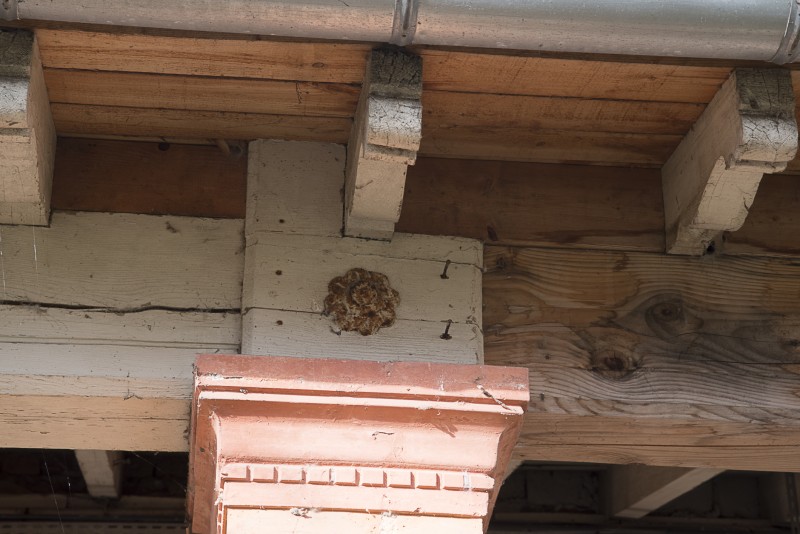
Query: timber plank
{"type": "Point", "coordinates": [124, 262]}
{"type": "Point", "coordinates": [151, 178]}
{"type": "Point", "coordinates": [778, 458]}
{"type": "Point", "coordinates": [445, 109]}
{"type": "Point", "coordinates": [548, 146]}
{"type": "Point", "coordinates": [618, 343]}
{"type": "Point", "coordinates": [515, 203]}
{"type": "Point", "coordinates": [447, 70]}
{"type": "Point", "coordinates": [201, 93]}
{"type": "Point", "coordinates": [33, 421]}
{"type": "Point", "coordinates": [772, 226]}
{"type": "Point", "coordinates": [96, 121]}
{"type": "Point", "coordinates": [239, 58]}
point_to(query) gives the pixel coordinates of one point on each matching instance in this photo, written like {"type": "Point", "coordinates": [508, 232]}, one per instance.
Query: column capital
{"type": "Point", "coordinates": [313, 443]}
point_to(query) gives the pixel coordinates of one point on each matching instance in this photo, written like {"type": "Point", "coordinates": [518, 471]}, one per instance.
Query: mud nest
{"type": "Point", "coordinates": [361, 301]}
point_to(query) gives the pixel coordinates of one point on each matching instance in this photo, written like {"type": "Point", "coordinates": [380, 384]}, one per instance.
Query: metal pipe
{"type": "Point", "coordinates": [761, 30]}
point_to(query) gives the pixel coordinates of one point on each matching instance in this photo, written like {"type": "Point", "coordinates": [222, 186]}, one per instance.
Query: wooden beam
{"type": "Point", "coordinates": [641, 358]}
{"type": "Point", "coordinates": [102, 472]}
{"type": "Point", "coordinates": [237, 57]}
{"type": "Point", "coordinates": [499, 73]}
{"type": "Point", "coordinates": [383, 143]}
{"type": "Point", "coordinates": [103, 316]}
{"type": "Point", "coordinates": [710, 181]}
{"type": "Point", "coordinates": [144, 90]}
{"type": "Point", "coordinates": [294, 250]}
{"type": "Point", "coordinates": [98, 121]}
{"type": "Point", "coordinates": [637, 490]}
{"type": "Point", "coordinates": [27, 134]}
{"type": "Point", "coordinates": [149, 178]}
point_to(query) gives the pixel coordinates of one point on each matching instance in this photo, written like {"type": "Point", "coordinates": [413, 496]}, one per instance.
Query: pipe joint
{"type": "Point", "coordinates": [404, 25]}
{"type": "Point", "coordinates": [788, 51]}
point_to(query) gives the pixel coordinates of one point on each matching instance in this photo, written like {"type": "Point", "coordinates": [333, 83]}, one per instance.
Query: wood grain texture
{"type": "Point", "coordinates": [535, 204]}
{"type": "Point", "coordinates": [201, 93]}
{"type": "Point", "coordinates": [548, 146]}
{"type": "Point", "coordinates": [773, 224]}
{"type": "Point", "coordinates": [33, 421]}
{"type": "Point", "coordinates": [711, 179]}
{"type": "Point", "coordinates": [236, 58]}
{"type": "Point", "coordinates": [96, 121]}
{"type": "Point", "coordinates": [619, 344]}
{"type": "Point", "coordinates": [447, 109]}
{"type": "Point", "coordinates": [151, 178]}
{"type": "Point", "coordinates": [448, 70]}
{"type": "Point", "coordinates": [121, 261]}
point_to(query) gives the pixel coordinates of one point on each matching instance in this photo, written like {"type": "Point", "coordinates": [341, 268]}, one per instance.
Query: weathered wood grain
{"type": "Point", "coordinates": [505, 203]}
{"type": "Point", "coordinates": [446, 109]}
{"type": "Point", "coordinates": [151, 178]}
{"type": "Point", "coordinates": [773, 223]}
{"type": "Point", "coordinates": [547, 146]}
{"type": "Point", "coordinates": [449, 70]}
{"type": "Point", "coordinates": [139, 90]}
{"type": "Point", "coordinates": [291, 273]}
{"type": "Point", "coordinates": [105, 423]}
{"type": "Point", "coordinates": [711, 179]}
{"type": "Point", "coordinates": [121, 261]}
{"type": "Point", "coordinates": [535, 204]}
{"type": "Point", "coordinates": [237, 58]}
{"type": "Point", "coordinates": [311, 335]}
{"type": "Point", "coordinates": [619, 342]}
{"type": "Point", "coordinates": [97, 121]}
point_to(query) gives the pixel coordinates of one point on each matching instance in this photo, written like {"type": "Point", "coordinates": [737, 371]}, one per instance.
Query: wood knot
{"type": "Point", "coordinates": [611, 363]}
{"type": "Point", "coordinates": [361, 301]}
{"type": "Point", "coordinates": [668, 311]}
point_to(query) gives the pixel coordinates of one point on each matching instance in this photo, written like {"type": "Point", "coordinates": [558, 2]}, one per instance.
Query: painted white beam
{"type": "Point", "coordinates": [294, 250]}
{"type": "Point", "coordinates": [711, 179]}
{"type": "Point", "coordinates": [103, 317]}
{"type": "Point", "coordinates": [27, 134]}
{"type": "Point", "coordinates": [384, 141]}
{"type": "Point", "coordinates": [637, 490]}
{"type": "Point", "coordinates": [102, 472]}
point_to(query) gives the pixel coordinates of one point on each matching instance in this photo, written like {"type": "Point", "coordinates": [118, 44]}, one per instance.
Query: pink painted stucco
{"type": "Point", "coordinates": [289, 441]}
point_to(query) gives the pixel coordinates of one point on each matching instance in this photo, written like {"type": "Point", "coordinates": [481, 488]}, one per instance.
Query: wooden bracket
{"type": "Point", "coordinates": [711, 179]}
{"type": "Point", "coordinates": [384, 141]}
{"type": "Point", "coordinates": [102, 472]}
{"type": "Point", "coordinates": [637, 490]}
{"type": "Point", "coordinates": [27, 134]}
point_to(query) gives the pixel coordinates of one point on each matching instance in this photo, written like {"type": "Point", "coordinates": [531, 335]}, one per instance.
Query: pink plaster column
{"type": "Point", "coordinates": [293, 445]}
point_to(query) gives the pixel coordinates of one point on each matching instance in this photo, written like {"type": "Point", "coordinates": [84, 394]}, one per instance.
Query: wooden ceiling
{"type": "Point", "coordinates": [477, 105]}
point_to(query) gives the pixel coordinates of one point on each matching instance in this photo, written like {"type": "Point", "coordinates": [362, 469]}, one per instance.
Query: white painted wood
{"type": "Point", "coordinates": [637, 490]}
{"type": "Point", "coordinates": [295, 187]}
{"type": "Point", "coordinates": [385, 138]}
{"type": "Point", "coordinates": [27, 134]}
{"type": "Point", "coordinates": [97, 379]}
{"type": "Point", "coordinates": [288, 268]}
{"type": "Point", "coordinates": [124, 262]}
{"type": "Point", "coordinates": [151, 328]}
{"type": "Point", "coordinates": [285, 272]}
{"type": "Point", "coordinates": [711, 179]}
{"type": "Point", "coordinates": [311, 335]}
{"type": "Point", "coordinates": [102, 472]}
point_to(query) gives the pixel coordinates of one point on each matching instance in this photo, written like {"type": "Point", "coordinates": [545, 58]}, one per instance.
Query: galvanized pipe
{"type": "Point", "coordinates": [761, 30]}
